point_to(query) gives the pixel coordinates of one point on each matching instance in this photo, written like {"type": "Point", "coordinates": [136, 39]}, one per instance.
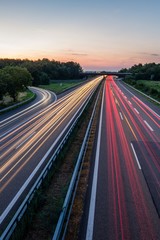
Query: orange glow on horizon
{"type": "Point", "coordinates": [87, 61]}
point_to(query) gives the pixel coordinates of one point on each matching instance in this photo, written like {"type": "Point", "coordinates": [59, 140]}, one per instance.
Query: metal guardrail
{"type": "Point", "coordinates": [73, 183]}
{"type": "Point", "coordinates": [6, 234]}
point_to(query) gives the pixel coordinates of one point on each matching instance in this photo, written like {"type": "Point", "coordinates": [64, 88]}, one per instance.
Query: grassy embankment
{"type": "Point", "coordinates": [22, 96]}
{"type": "Point", "coordinates": [60, 86]}
{"type": "Point", "coordinates": [151, 88]}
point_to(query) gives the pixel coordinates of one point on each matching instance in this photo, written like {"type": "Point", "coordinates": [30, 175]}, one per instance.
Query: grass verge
{"type": "Point", "coordinates": [61, 86]}
{"type": "Point", "coordinates": [150, 88]}
{"type": "Point", "coordinates": [24, 98]}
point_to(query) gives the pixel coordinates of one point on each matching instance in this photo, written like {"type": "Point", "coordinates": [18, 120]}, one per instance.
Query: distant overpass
{"type": "Point", "coordinates": [97, 73]}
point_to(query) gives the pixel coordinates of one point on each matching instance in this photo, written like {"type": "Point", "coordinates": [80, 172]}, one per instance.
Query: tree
{"type": "Point", "coordinates": [3, 84]}
{"type": "Point", "coordinates": [16, 79]}
{"type": "Point", "coordinates": [148, 71]}
{"type": "Point", "coordinates": [44, 79]}
{"type": "Point", "coordinates": [53, 69]}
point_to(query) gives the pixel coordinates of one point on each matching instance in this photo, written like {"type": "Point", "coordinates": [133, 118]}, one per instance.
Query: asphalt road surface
{"type": "Point", "coordinates": [27, 144]}
{"type": "Point", "coordinates": [11, 118]}
{"type": "Point", "coordinates": [123, 198]}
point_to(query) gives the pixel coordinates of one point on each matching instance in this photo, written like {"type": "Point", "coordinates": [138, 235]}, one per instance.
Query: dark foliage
{"type": "Point", "coordinates": [14, 79]}
{"type": "Point", "coordinates": [148, 71]}
{"type": "Point", "coordinates": [44, 70]}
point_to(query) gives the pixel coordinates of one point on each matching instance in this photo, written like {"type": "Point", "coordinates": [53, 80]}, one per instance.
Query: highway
{"type": "Point", "coordinates": [23, 113]}
{"type": "Point", "coordinates": [123, 197]}
{"type": "Point", "coordinates": [26, 146]}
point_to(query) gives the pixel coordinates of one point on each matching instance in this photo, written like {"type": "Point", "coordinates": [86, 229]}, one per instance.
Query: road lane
{"type": "Point", "coordinates": [10, 120]}
{"type": "Point", "coordinates": [126, 89]}
{"type": "Point", "coordinates": [24, 157]}
{"type": "Point", "coordinates": [126, 203]}
{"type": "Point", "coordinates": [151, 112]}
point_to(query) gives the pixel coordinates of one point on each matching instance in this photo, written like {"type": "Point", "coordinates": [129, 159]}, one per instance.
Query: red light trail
{"type": "Point", "coordinates": [127, 192]}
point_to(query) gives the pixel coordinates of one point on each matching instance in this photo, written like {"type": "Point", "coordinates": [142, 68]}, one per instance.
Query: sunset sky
{"type": "Point", "coordinates": [99, 34]}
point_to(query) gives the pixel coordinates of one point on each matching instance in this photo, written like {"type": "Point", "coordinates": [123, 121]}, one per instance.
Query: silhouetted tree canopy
{"type": "Point", "coordinates": [148, 71]}
{"type": "Point", "coordinates": [44, 70]}
{"type": "Point", "coordinates": [14, 80]}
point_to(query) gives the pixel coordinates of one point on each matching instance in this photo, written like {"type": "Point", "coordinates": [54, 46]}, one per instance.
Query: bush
{"type": "Point", "coordinates": [140, 85]}
{"type": "Point", "coordinates": [154, 91]}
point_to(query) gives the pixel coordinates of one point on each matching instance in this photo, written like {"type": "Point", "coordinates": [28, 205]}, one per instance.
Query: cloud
{"type": "Point", "coordinates": [150, 54]}
{"type": "Point", "coordinates": [79, 54]}
{"type": "Point", "coordinates": [71, 52]}
{"type": "Point", "coordinates": [155, 54]}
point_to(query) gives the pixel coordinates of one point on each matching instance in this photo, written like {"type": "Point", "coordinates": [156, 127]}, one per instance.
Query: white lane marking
{"type": "Point", "coordinates": [136, 156]}
{"type": "Point", "coordinates": [148, 125]}
{"type": "Point", "coordinates": [121, 115]}
{"type": "Point", "coordinates": [129, 102]}
{"type": "Point", "coordinates": [90, 225]}
{"type": "Point", "coordinates": [25, 140]}
{"type": "Point", "coordinates": [136, 110]}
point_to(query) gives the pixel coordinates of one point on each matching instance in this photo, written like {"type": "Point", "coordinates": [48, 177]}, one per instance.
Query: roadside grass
{"type": "Point", "coordinates": [151, 88]}
{"type": "Point", "coordinates": [22, 96]}
{"type": "Point", "coordinates": [28, 95]}
{"type": "Point", "coordinates": [151, 84]}
{"type": "Point", "coordinates": [60, 86]}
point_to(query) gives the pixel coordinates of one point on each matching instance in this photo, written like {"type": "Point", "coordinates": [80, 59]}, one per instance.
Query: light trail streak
{"type": "Point", "coordinates": [25, 140]}
{"type": "Point", "coordinates": [153, 161]}
{"type": "Point", "coordinates": [130, 112]}
{"type": "Point", "coordinates": [28, 131]}
{"type": "Point", "coordinates": [116, 164]}
{"type": "Point", "coordinates": [46, 131]}
{"type": "Point", "coordinates": [149, 156]}
{"type": "Point", "coordinates": [37, 125]}
{"type": "Point", "coordinates": [46, 97]}
{"type": "Point", "coordinates": [130, 127]}
{"type": "Point", "coordinates": [30, 146]}
{"type": "Point", "coordinates": [37, 115]}
{"type": "Point", "coordinates": [114, 170]}
{"type": "Point", "coordinates": [134, 97]}
{"type": "Point", "coordinates": [36, 139]}
{"type": "Point", "coordinates": [148, 114]}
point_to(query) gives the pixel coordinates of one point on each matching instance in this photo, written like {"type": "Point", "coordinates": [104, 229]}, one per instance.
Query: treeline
{"type": "Point", "coordinates": [144, 78]}
{"type": "Point", "coordinates": [148, 71]}
{"type": "Point", "coordinates": [42, 71]}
